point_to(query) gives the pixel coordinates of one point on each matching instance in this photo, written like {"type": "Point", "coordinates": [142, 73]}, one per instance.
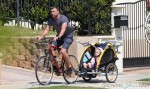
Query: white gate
{"type": "Point", "coordinates": [136, 46]}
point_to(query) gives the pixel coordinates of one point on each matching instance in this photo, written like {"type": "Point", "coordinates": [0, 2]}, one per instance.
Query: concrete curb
{"type": "Point", "coordinates": [135, 69]}
{"type": "Point", "coordinates": [1, 55]}
{"type": "Point", "coordinates": [17, 68]}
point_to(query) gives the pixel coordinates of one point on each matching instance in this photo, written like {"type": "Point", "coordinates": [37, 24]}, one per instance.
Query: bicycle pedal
{"type": "Point", "coordinates": [44, 69]}
{"type": "Point", "coordinates": [57, 73]}
{"type": "Point", "coordinates": [78, 73]}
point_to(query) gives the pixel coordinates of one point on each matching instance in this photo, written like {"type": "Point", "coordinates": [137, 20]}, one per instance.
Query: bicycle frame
{"type": "Point", "coordinates": [51, 65]}
{"type": "Point", "coordinates": [52, 58]}
{"type": "Point", "coordinates": [59, 68]}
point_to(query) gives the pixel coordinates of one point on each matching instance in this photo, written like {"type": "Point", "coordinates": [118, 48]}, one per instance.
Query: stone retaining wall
{"type": "Point", "coordinates": [23, 52]}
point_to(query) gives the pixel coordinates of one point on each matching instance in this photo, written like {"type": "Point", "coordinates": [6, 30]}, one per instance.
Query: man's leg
{"type": "Point", "coordinates": [66, 57]}
{"type": "Point", "coordinates": [67, 42]}
{"type": "Point", "coordinates": [56, 44]}
{"type": "Point", "coordinates": [52, 50]}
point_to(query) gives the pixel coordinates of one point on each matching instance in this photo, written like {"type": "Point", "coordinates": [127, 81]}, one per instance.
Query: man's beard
{"type": "Point", "coordinates": [54, 16]}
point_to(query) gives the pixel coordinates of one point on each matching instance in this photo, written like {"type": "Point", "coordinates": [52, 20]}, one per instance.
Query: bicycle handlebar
{"type": "Point", "coordinates": [84, 43]}
{"type": "Point", "coordinates": [115, 44]}
{"type": "Point", "coordinates": [46, 40]}
{"type": "Point", "coordinates": [44, 43]}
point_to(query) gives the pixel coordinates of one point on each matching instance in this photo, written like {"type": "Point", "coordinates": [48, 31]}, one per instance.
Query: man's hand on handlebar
{"type": "Point", "coordinates": [84, 43]}
{"type": "Point", "coordinates": [56, 38]}
{"type": "Point", "coordinates": [39, 38]}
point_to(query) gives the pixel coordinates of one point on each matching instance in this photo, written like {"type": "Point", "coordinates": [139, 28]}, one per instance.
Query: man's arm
{"type": "Point", "coordinates": [44, 32]}
{"type": "Point", "coordinates": [63, 29]}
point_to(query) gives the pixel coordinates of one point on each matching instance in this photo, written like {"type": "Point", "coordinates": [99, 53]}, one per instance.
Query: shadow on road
{"type": "Point", "coordinates": [92, 81]}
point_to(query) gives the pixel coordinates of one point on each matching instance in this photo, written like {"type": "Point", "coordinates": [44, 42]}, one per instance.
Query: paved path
{"type": "Point", "coordinates": [18, 78]}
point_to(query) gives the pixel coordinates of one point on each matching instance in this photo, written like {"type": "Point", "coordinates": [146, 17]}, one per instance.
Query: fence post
{"type": "Point", "coordinates": [18, 13]}
{"type": "Point", "coordinates": [89, 18]}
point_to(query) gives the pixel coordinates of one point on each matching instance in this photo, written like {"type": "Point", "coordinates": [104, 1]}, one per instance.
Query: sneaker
{"type": "Point", "coordinates": [69, 71]}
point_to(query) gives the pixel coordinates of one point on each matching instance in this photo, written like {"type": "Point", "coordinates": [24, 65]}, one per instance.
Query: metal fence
{"type": "Point", "coordinates": [136, 47]}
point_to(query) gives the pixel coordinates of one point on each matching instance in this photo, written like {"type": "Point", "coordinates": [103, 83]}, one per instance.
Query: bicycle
{"type": "Point", "coordinates": [47, 65]}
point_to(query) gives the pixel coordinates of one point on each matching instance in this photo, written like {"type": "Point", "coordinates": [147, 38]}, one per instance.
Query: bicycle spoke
{"type": "Point", "coordinates": [44, 70]}
{"type": "Point", "coordinates": [111, 72]}
{"type": "Point", "coordinates": [72, 77]}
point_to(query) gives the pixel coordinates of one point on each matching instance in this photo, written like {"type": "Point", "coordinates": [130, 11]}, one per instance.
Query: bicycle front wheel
{"type": "Point", "coordinates": [44, 70]}
{"type": "Point", "coordinates": [72, 77]}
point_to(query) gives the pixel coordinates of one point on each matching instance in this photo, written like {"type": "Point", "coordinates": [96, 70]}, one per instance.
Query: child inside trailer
{"type": "Point", "coordinates": [88, 61]}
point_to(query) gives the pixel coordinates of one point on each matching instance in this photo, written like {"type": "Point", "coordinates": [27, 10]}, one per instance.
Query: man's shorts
{"type": "Point", "coordinates": [65, 42]}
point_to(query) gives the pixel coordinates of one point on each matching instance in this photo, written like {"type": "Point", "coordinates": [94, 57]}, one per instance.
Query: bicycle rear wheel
{"type": "Point", "coordinates": [74, 63]}
{"type": "Point", "coordinates": [44, 70]}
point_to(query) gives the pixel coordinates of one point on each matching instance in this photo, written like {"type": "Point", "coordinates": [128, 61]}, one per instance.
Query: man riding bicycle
{"type": "Point", "coordinates": [64, 35]}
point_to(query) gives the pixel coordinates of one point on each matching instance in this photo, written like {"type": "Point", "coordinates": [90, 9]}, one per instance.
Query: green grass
{"type": "Point", "coordinates": [7, 32]}
{"type": "Point", "coordinates": [65, 87]}
{"type": "Point", "coordinates": [15, 31]}
{"type": "Point", "coordinates": [145, 79]}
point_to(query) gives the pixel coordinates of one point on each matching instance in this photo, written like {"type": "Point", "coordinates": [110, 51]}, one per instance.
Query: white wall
{"type": "Point", "coordinates": [125, 1]}
{"type": "Point", "coordinates": [117, 32]}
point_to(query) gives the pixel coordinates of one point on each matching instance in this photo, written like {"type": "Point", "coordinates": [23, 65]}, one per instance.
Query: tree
{"type": "Point", "coordinates": [7, 11]}
{"type": "Point", "coordinates": [37, 11]}
{"type": "Point", "coordinates": [100, 14]}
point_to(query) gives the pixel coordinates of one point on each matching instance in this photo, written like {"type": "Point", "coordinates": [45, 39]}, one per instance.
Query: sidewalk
{"type": "Point", "coordinates": [18, 78]}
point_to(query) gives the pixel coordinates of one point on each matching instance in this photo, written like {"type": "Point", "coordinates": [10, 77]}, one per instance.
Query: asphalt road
{"type": "Point", "coordinates": [18, 78]}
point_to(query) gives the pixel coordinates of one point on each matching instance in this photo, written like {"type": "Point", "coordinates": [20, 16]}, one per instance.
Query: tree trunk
{"type": "Point", "coordinates": [32, 25]}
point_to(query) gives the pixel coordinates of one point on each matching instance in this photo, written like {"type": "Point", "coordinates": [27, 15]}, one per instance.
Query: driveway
{"type": "Point", "coordinates": [18, 78]}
